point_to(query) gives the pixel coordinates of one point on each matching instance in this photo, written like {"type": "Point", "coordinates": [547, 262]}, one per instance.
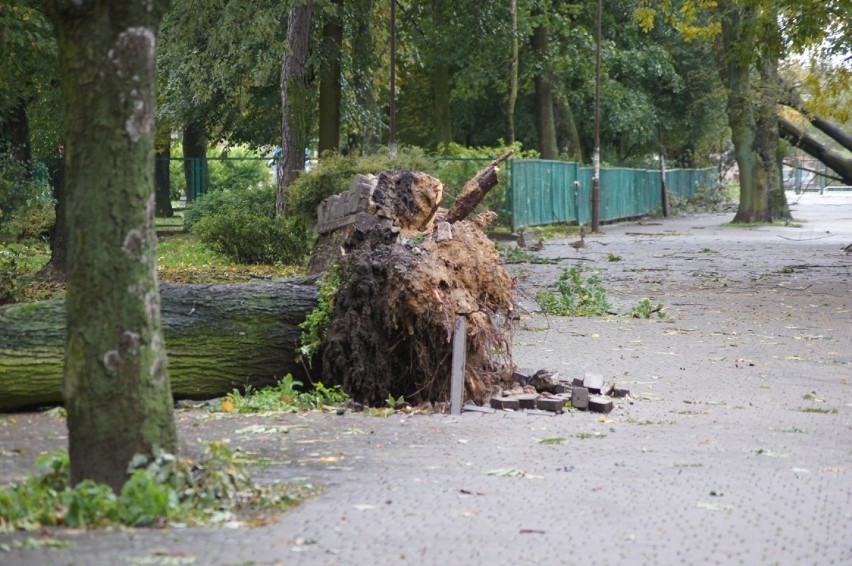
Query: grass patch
{"type": "Point", "coordinates": [285, 397]}
{"type": "Point", "coordinates": [183, 258]}
{"type": "Point", "coordinates": [164, 490]}
{"type": "Point", "coordinates": [572, 295]}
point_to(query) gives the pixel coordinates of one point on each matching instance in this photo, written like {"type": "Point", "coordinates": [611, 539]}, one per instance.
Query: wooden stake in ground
{"type": "Point", "coordinates": [476, 189]}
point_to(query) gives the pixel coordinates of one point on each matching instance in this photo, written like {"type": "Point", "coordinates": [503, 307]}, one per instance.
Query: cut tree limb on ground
{"type": "Point", "coordinates": [218, 337]}
{"type": "Point", "coordinates": [407, 273]}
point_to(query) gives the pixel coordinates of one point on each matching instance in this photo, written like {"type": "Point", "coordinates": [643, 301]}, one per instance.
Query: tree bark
{"type": "Point", "coordinates": [162, 176]}
{"type": "Point", "coordinates": [837, 161]}
{"type": "Point", "coordinates": [15, 133]}
{"type": "Point", "coordinates": [767, 137]}
{"type": "Point", "coordinates": [794, 100]}
{"type": "Point", "coordinates": [194, 141]}
{"type": "Point", "coordinates": [329, 94]}
{"type": "Point", "coordinates": [567, 136]}
{"type": "Point", "coordinates": [294, 100]}
{"type": "Point", "coordinates": [475, 190]}
{"type": "Point", "coordinates": [735, 72]}
{"type": "Point", "coordinates": [116, 383]}
{"type": "Point", "coordinates": [544, 119]}
{"type": "Point", "coordinates": [218, 338]}
{"type": "Point", "coordinates": [514, 63]}
{"type": "Point", "coordinates": [440, 81]}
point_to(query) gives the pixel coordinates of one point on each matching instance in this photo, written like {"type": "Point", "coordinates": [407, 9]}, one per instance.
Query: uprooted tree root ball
{"type": "Point", "coordinates": [403, 282]}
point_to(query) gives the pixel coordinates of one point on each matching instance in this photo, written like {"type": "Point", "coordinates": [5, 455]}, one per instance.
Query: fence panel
{"type": "Point", "coordinates": [547, 192]}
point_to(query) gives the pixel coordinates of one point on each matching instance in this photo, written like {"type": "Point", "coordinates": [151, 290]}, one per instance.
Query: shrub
{"type": "Point", "coordinates": [333, 174]}
{"type": "Point", "coordinates": [246, 237]}
{"type": "Point", "coordinates": [33, 221]}
{"type": "Point", "coordinates": [255, 202]}
{"type": "Point", "coordinates": [23, 187]}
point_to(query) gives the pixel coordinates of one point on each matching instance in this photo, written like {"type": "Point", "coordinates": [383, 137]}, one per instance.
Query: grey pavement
{"type": "Point", "coordinates": [735, 446]}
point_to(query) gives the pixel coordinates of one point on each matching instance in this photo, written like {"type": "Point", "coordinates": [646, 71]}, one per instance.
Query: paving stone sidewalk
{"type": "Point", "coordinates": [734, 448]}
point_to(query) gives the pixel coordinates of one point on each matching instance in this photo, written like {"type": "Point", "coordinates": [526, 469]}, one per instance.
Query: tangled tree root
{"type": "Point", "coordinates": [405, 277]}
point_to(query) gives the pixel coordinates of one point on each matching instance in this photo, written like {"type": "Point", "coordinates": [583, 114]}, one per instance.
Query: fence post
{"type": "Point", "coordinates": [458, 362]}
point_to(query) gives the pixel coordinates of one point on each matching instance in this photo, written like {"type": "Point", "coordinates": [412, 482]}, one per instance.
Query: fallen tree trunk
{"type": "Point", "coordinates": [794, 100]}
{"type": "Point", "coordinates": [839, 163]}
{"type": "Point", "coordinates": [218, 337]}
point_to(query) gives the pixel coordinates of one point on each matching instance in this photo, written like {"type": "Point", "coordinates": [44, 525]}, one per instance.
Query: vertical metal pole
{"type": "Point", "coordinates": [596, 173]}
{"type": "Point", "coordinates": [664, 190]}
{"type": "Point", "coordinates": [392, 137]}
{"type": "Point", "coordinates": [457, 376]}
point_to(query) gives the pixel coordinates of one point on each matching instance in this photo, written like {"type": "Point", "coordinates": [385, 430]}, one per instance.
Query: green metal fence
{"type": "Point", "coordinates": [549, 192]}
{"type": "Point", "coordinates": [530, 192]}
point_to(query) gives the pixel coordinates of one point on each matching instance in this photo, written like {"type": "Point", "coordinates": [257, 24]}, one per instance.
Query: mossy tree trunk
{"type": "Point", "coordinates": [735, 65]}
{"type": "Point", "coordinates": [116, 383]}
{"type": "Point", "coordinates": [440, 80]}
{"type": "Point", "coordinates": [162, 174]}
{"type": "Point", "coordinates": [294, 100]}
{"type": "Point", "coordinates": [544, 118]}
{"type": "Point", "coordinates": [329, 92]}
{"type": "Point", "coordinates": [194, 144]}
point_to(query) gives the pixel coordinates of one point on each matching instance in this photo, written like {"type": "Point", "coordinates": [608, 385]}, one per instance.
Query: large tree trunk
{"type": "Point", "coordinates": [15, 133]}
{"type": "Point", "coordinates": [367, 136]}
{"type": "Point", "coordinates": [162, 175]}
{"type": "Point", "coordinates": [837, 161]}
{"type": "Point", "coordinates": [567, 136]}
{"type": "Point", "coordinates": [218, 338]}
{"type": "Point", "coordinates": [116, 383]}
{"type": "Point", "coordinates": [544, 119]}
{"type": "Point", "coordinates": [767, 138]}
{"type": "Point", "coordinates": [294, 100]}
{"type": "Point", "coordinates": [514, 63]}
{"type": "Point", "coordinates": [329, 94]}
{"type": "Point", "coordinates": [735, 71]}
{"type": "Point", "coordinates": [194, 142]}
{"type": "Point", "coordinates": [440, 81]}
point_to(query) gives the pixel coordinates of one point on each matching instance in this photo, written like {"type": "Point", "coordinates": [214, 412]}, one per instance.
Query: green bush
{"type": "Point", "coordinates": [255, 202]}
{"type": "Point", "coordinates": [254, 239]}
{"type": "Point", "coordinates": [333, 174]}
{"type": "Point", "coordinates": [23, 189]}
